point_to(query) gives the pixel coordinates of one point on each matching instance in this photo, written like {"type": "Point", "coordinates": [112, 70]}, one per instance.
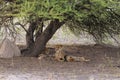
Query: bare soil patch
{"type": "Point", "coordinates": [104, 64]}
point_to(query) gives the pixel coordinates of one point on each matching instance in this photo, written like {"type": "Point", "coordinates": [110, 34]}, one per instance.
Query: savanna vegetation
{"type": "Point", "coordinates": [100, 18]}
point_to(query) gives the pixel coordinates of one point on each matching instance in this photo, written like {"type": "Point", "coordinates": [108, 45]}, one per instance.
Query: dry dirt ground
{"type": "Point", "coordinates": [104, 64]}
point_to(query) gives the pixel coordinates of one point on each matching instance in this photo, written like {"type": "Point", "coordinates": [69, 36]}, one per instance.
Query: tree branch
{"type": "Point", "coordinates": [23, 26]}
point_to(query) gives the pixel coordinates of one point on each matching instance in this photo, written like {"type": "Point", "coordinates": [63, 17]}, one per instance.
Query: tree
{"type": "Point", "coordinates": [97, 17]}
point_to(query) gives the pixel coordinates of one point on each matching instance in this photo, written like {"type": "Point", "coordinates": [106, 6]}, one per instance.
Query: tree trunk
{"type": "Point", "coordinates": [42, 39]}
{"type": "Point", "coordinates": [30, 38]}
{"type": "Point", "coordinates": [30, 35]}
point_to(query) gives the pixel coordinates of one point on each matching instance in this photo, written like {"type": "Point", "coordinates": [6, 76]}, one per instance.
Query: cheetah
{"type": "Point", "coordinates": [60, 55]}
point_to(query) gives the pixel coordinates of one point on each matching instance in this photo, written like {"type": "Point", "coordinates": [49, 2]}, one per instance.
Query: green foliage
{"type": "Point", "coordinates": [102, 20]}
{"type": "Point", "coordinates": [46, 9]}
{"type": "Point", "coordinates": [97, 17]}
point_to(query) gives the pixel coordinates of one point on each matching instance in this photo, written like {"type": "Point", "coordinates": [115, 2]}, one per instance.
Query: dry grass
{"type": "Point", "coordinates": [103, 65]}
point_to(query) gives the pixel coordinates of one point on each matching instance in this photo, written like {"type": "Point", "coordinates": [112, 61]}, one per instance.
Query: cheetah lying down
{"type": "Point", "coordinates": [60, 55]}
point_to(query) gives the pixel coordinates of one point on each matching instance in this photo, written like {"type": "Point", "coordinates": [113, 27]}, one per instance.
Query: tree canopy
{"type": "Point", "coordinates": [99, 18]}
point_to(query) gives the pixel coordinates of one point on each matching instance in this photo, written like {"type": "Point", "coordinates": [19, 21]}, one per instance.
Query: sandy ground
{"type": "Point", "coordinates": [104, 64]}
